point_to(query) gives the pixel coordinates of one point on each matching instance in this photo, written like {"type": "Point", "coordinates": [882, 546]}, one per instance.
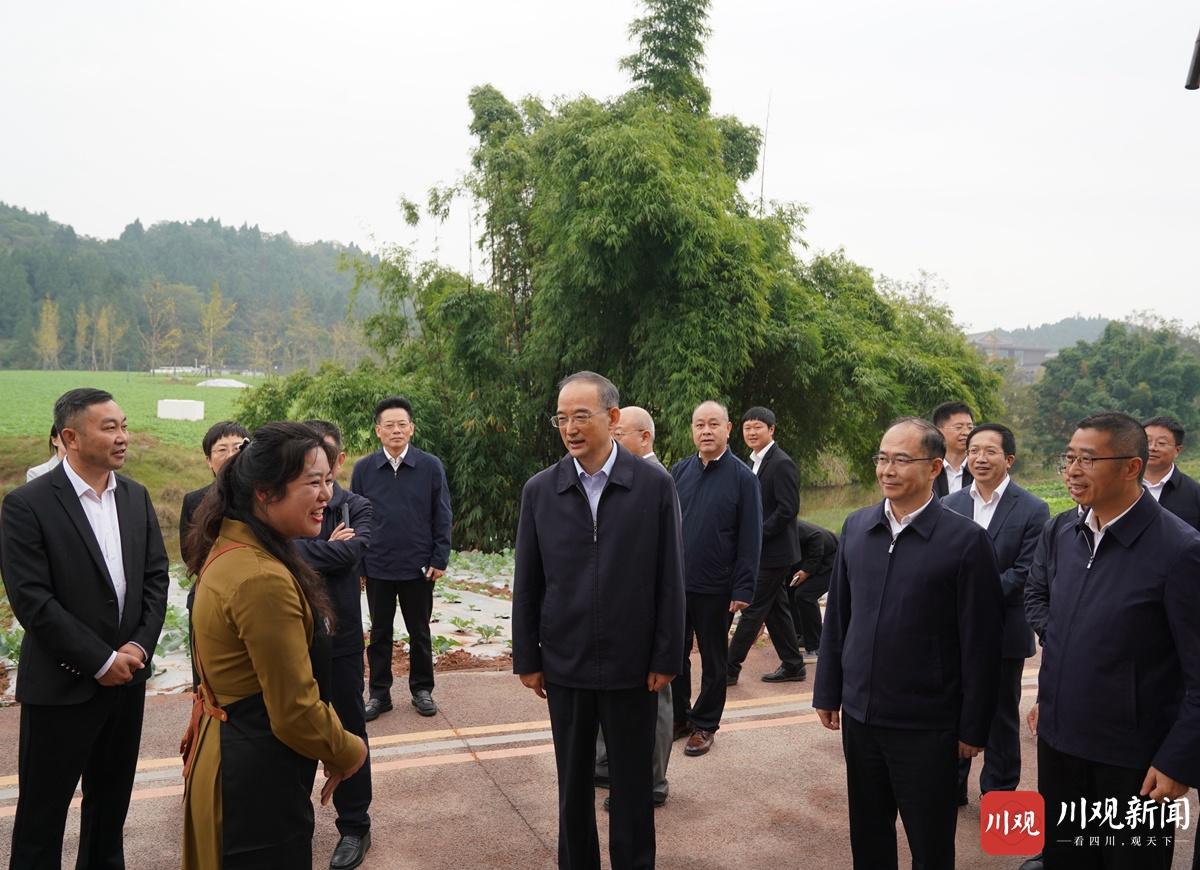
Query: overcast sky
{"type": "Point", "coordinates": [1040, 158]}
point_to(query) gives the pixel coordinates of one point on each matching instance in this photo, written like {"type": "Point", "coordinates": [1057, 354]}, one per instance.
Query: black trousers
{"type": "Point", "coordinates": [626, 718]}
{"type": "Point", "coordinates": [416, 606]}
{"type": "Point", "coordinates": [806, 611]}
{"type": "Point", "coordinates": [706, 620]}
{"type": "Point", "coordinates": [352, 797]}
{"type": "Point", "coordinates": [1002, 755]}
{"type": "Point", "coordinates": [97, 740]}
{"type": "Point", "coordinates": [1065, 780]}
{"type": "Point", "coordinates": [770, 605]}
{"type": "Point", "coordinates": [910, 770]}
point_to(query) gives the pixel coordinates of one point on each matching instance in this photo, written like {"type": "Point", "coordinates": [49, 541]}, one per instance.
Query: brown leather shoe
{"type": "Point", "coordinates": [699, 743]}
{"type": "Point", "coordinates": [681, 730]}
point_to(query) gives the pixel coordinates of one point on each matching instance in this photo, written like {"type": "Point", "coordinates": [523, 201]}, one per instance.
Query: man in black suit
{"type": "Point", "coordinates": [779, 484]}
{"type": "Point", "coordinates": [955, 421]}
{"type": "Point", "coordinates": [810, 580]}
{"type": "Point", "coordinates": [221, 441]}
{"type": "Point", "coordinates": [1014, 518]}
{"type": "Point", "coordinates": [86, 574]}
{"type": "Point", "coordinates": [598, 608]}
{"type": "Point", "coordinates": [1173, 489]}
{"type": "Point", "coordinates": [337, 554]}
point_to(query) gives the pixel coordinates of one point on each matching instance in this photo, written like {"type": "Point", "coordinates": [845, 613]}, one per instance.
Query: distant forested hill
{"type": "Point", "coordinates": [70, 301]}
{"type": "Point", "coordinates": [1056, 336]}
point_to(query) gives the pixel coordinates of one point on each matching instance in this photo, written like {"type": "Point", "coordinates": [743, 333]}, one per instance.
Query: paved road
{"type": "Point", "coordinates": [474, 787]}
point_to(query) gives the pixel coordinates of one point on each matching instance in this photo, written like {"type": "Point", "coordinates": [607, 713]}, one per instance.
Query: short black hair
{"type": "Point", "coordinates": [946, 410]}
{"type": "Point", "coordinates": [327, 430]}
{"type": "Point", "coordinates": [1169, 423]}
{"type": "Point", "coordinates": [72, 403]}
{"type": "Point", "coordinates": [1008, 441]}
{"type": "Point", "coordinates": [610, 397]}
{"type": "Point", "coordinates": [393, 402]}
{"type": "Point", "coordinates": [53, 435]}
{"type": "Point", "coordinates": [217, 431]}
{"type": "Point", "coordinates": [933, 442]}
{"type": "Point", "coordinates": [1127, 435]}
{"type": "Point", "coordinates": [761, 414]}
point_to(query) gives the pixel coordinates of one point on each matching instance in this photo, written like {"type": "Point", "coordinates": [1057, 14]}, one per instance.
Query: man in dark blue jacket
{"type": "Point", "coordinates": [1013, 518]}
{"type": "Point", "coordinates": [337, 553]}
{"type": "Point", "coordinates": [910, 654]}
{"type": "Point", "coordinates": [722, 540]}
{"type": "Point", "coordinates": [1163, 479]}
{"type": "Point", "coordinates": [1118, 714]}
{"type": "Point", "coordinates": [409, 551]}
{"type": "Point", "coordinates": [598, 618]}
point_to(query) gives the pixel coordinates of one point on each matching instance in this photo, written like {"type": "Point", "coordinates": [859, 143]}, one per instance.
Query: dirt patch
{"type": "Point", "coordinates": [455, 660]}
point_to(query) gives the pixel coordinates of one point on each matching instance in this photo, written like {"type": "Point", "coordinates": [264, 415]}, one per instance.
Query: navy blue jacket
{"type": "Point", "coordinates": [1041, 572]}
{"type": "Point", "coordinates": [599, 605]}
{"type": "Point", "coordinates": [1014, 529]}
{"type": "Point", "coordinates": [1120, 677]}
{"type": "Point", "coordinates": [913, 626]}
{"type": "Point", "coordinates": [818, 549]}
{"type": "Point", "coordinates": [339, 563]}
{"type": "Point", "coordinates": [411, 514]}
{"type": "Point", "coordinates": [1181, 496]}
{"type": "Point", "coordinates": [722, 525]}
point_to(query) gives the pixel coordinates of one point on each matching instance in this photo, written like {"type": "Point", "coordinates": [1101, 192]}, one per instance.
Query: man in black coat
{"type": "Point", "coordinates": [86, 574]}
{"type": "Point", "coordinates": [955, 421]}
{"type": "Point", "coordinates": [1014, 518]}
{"type": "Point", "coordinates": [810, 580]}
{"type": "Point", "coordinates": [220, 442]}
{"type": "Point", "coordinates": [1173, 489]}
{"type": "Point", "coordinates": [779, 485]}
{"type": "Point", "coordinates": [337, 554]}
{"type": "Point", "coordinates": [598, 618]}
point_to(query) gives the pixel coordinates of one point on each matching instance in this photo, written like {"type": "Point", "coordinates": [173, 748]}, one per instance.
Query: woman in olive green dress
{"type": "Point", "coordinates": [261, 624]}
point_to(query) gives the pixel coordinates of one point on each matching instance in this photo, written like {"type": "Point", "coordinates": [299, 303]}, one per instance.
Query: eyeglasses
{"type": "Point", "coordinates": [900, 462]}
{"type": "Point", "coordinates": [621, 433]}
{"type": "Point", "coordinates": [393, 425]}
{"type": "Point", "coordinates": [989, 452]}
{"type": "Point", "coordinates": [1066, 460]}
{"type": "Point", "coordinates": [959, 427]}
{"type": "Point", "coordinates": [1163, 444]}
{"type": "Point", "coordinates": [560, 421]}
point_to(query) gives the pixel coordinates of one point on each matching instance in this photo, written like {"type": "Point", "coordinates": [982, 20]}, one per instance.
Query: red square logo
{"type": "Point", "coordinates": [1012, 823]}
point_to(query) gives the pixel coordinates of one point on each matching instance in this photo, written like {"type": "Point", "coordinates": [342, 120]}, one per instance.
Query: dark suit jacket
{"type": "Point", "coordinates": [779, 482]}
{"type": "Point", "coordinates": [339, 562]}
{"type": "Point", "coordinates": [1014, 529]}
{"type": "Point", "coordinates": [1181, 496]}
{"type": "Point", "coordinates": [941, 483]}
{"type": "Point", "coordinates": [913, 625]}
{"type": "Point", "coordinates": [1120, 676]}
{"type": "Point", "coordinates": [191, 501]}
{"type": "Point", "coordinates": [599, 606]}
{"type": "Point", "coordinates": [61, 592]}
{"type": "Point", "coordinates": [1041, 572]}
{"type": "Point", "coordinates": [818, 549]}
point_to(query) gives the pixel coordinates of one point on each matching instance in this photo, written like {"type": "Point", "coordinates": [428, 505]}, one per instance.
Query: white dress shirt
{"type": "Point", "coordinates": [1155, 489]}
{"type": "Point", "coordinates": [756, 457]}
{"type": "Point", "coordinates": [899, 525]}
{"type": "Point", "coordinates": [954, 476]}
{"type": "Point", "coordinates": [593, 484]}
{"type": "Point", "coordinates": [101, 511]}
{"type": "Point", "coordinates": [985, 510]}
{"type": "Point", "coordinates": [396, 460]}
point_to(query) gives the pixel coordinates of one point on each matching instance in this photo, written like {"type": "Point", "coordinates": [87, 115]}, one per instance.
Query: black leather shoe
{"type": "Point", "coordinates": [784, 674]}
{"type": "Point", "coordinates": [375, 706]}
{"type": "Point", "coordinates": [350, 852]}
{"type": "Point", "coordinates": [1034, 863]}
{"type": "Point", "coordinates": [731, 678]}
{"type": "Point", "coordinates": [424, 703]}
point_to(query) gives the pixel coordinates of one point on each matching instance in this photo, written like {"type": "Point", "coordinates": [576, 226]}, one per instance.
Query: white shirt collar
{"type": "Point", "coordinates": [606, 468]}
{"type": "Point", "coordinates": [1098, 531]}
{"type": "Point", "coordinates": [898, 525]}
{"type": "Point", "coordinates": [976, 495]}
{"type": "Point", "coordinates": [82, 486]}
{"type": "Point", "coordinates": [757, 455]}
{"type": "Point", "coordinates": [397, 460]}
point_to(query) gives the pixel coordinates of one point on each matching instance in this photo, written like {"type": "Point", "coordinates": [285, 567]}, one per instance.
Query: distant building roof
{"type": "Point", "coordinates": [221, 382]}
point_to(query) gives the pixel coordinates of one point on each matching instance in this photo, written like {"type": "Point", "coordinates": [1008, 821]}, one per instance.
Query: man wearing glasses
{"type": "Point", "coordinates": [410, 548]}
{"type": "Point", "coordinates": [1170, 487]}
{"type": "Point", "coordinates": [598, 618]}
{"type": "Point", "coordinates": [1118, 715]}
{"type": "Point", "coordinates": [955, 421]}
{"type": "Point", "coordinates": [910, 654]}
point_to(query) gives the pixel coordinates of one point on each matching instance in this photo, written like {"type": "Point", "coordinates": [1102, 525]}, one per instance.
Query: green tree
{"type": "Point", "coordinates": [83, 323]}
{"type": "Point", "coordinates": [213, 321]}
{"type": "Point", "coordinates": [668, 63]}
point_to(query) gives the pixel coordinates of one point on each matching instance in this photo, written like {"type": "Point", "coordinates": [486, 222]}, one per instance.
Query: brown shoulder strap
{"type": "Point", "coordinates": [211, 707]}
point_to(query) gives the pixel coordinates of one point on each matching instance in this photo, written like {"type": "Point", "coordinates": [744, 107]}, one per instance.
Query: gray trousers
{"type": "Point", "coordinates": [663, 729]}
